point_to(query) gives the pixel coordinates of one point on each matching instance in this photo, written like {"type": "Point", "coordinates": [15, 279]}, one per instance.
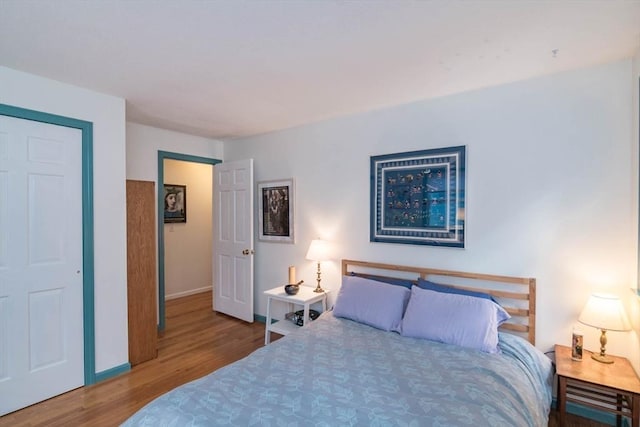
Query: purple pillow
{"type": "Point", "coordinates": [454, 319]}
{"type": "Point", "coordinates": [407, 283]}
{"type": "Point", "coordinates": [373, 303]}
{"type": "Point", "coordinates": [432, 286]}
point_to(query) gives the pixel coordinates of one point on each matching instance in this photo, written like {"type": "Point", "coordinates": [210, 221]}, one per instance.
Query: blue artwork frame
{"type": "Point", "coordinates": [418, 197]}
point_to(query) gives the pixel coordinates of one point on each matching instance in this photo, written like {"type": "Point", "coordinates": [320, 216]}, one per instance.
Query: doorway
{"type": "Point", "coordinates": [165, 256]}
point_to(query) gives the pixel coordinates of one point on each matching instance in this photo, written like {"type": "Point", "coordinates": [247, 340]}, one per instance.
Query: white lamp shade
{"type": "Point", "coordinates": [318, 251]}
{"type": "Point", "coordinates": [606, 312]}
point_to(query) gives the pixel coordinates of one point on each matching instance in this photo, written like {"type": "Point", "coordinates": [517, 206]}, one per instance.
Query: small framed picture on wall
{"type": "Point", "coordinates": [175, 203]}
{"type": "Point", "coordinates": [276, 211]}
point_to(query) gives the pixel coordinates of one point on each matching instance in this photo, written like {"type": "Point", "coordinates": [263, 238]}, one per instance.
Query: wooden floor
{"type": "Point", "coordinates": [197, 341]}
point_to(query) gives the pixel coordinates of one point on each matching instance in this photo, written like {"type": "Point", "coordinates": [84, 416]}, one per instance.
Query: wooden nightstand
{"type": "Point", "coordinates": [305, 297]}
{"type": "Point", "coordinates": [611, 388]}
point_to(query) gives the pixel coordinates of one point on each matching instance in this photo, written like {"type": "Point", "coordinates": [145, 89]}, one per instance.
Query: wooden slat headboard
{"type": "Point", "coordinates": [517, 295]}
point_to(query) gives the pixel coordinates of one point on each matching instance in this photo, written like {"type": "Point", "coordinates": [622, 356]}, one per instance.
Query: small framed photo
{"type": "Point", "coordinates": [418, 197]}
{"type": "Point", "coordinates": [175, 203]}
{"type": "Point", "coordinates": [275, 212]}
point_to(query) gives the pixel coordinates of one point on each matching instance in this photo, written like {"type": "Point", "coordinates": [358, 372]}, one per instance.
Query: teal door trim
{"type": "Point", "coordinates": [162, 155]}
{"type": "Point", "coordinates": [87, 224]}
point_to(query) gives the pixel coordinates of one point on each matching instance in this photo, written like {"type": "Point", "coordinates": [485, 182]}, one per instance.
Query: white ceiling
{"type": "Point", "coordinates": [230, 68]}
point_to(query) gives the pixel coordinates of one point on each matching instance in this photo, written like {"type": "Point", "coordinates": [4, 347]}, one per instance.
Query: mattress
{"type": "Point", "coordinates": [338, 372]}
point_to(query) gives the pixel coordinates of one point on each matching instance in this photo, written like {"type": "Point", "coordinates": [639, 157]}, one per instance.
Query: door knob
{"type": "Point", "coordinates": [247, 252]}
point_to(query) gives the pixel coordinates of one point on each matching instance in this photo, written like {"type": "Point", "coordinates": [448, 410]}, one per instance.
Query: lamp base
{"type": "Point", "coordinates": [318, 288]}
{"type": "Point", "coordinates": [601, 359]}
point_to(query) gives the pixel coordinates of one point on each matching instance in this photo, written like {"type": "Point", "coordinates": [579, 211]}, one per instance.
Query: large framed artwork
{"type": "Point", "coordinates": [175, 203]}
{"type": "Point", "coordinates": [275, 211]}
{"type": "Point", "coordinates": [417, 197]}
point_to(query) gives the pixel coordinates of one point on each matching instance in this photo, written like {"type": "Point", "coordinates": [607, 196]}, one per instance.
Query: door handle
{"type": "Point", "coordinates": [248, 251]}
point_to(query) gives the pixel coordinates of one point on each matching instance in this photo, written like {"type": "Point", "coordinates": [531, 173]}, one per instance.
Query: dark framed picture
{"type": "Point", "coordinates": [418, 197]}
{"type": "Point", "coordinates": [275, 212]}
{"type": "Point", "coordinates": [175, 203]}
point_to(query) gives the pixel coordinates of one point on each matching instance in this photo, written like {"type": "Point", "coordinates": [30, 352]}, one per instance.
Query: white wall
{"type": "Point", "coordinates": [634, 304]}
{"type": "Point", "coordinates": [107, 113]}
{"type": "Point", "coordinates": [635, 132]}
{"type": "Point", "coordinates": [144, 142]}
{"type": "Point", "coordinates": [549, 189]}
{"type": "Point", "coordinates": [188, 246]}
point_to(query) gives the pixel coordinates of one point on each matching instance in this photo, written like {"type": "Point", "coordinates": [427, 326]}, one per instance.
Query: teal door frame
{"type": "Point", "coordinates": [87, 224]}
{"type": "Point", "coordinates": [162, 155]}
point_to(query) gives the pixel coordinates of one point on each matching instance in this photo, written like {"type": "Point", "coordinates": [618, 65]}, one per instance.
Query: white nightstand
{"type": "Point", "coordinates": [305, 297]}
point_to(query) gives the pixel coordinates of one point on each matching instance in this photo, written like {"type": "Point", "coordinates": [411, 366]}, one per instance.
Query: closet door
{"type": "Point", "coordinates": [141, 271]}
{"type": "Point", "coordinates": [41, 262]}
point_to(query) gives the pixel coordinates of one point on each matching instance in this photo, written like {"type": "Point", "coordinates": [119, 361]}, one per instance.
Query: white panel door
{"type": "Point", "coordinates": [41, 323]}
{"type": "Point", "coordinates": [233, 239]}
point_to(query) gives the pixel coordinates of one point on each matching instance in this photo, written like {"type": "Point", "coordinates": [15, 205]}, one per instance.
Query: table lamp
{"type": "Point", "coordinates": [318, 252]}
{"type": "Point", "coordinates": [606, 313]}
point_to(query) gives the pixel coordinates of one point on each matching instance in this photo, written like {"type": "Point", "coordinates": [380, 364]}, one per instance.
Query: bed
{"type": "Point", "coordinates": [339, 370]}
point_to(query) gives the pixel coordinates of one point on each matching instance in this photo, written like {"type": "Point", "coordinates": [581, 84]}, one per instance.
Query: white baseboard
{"type": "Point", "coordinates": [187, 293]}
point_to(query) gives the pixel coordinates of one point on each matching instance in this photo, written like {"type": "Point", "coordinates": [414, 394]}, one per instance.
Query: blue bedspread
{"type": "Point", "coordinates": [337, 372]}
